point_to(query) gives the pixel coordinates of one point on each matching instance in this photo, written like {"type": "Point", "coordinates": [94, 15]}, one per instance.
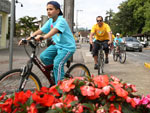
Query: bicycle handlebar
{"type": "Point", "coordinates": [33, 42]}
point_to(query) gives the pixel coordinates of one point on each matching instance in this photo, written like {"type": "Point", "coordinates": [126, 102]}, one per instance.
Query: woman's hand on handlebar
{"type": "Point", "coordinates": [39, 38]}
{"type": "Point", "coordinates": [22, 41]}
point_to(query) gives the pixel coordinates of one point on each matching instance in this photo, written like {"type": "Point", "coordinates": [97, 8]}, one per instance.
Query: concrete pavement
{"type": "Point", "coordinates": [130, 72]}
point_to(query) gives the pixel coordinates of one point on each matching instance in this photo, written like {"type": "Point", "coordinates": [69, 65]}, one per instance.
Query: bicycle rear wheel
{"type": "Point", "coordinates": [9, 82]}
{"type": "Point", "coordinates": [122, 57]}
{"type": "Point", "coordinates": [77, 70]}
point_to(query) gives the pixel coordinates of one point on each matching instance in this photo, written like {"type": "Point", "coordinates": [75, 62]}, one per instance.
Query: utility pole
{"type": "Point", "coordinates": [69, 12]}
{"type": "Point", "coordinates": [11, 34]}
{"type": "Point", "coordinates": [69, 15]}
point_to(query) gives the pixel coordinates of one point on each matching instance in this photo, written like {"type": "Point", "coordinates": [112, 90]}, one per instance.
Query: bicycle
{"type": "Point", "coordinates": [100, 58]}
{"type": "Point", "coordinates": [120, 53]}
{"type": "Point", "coordinates": [23, 78]}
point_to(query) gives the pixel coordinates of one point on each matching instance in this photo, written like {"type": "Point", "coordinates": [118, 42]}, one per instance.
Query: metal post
{"type": "Point", "coordinates": [11, 34]}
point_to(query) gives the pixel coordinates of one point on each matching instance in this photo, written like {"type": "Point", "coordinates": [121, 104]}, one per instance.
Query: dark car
{"type": "Point", "coordinates": [133, 44]}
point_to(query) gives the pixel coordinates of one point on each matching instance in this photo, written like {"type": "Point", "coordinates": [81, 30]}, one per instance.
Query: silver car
{"type": "Point", "coordinates": [133, 44]}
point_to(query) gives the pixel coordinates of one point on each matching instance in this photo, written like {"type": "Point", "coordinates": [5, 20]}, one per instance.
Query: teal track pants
{"type": "Point", "coordinates": [57, 57]}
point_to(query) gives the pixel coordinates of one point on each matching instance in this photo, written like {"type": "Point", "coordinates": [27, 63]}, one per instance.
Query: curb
{"type": "Point", "coordinates": [147, 65]}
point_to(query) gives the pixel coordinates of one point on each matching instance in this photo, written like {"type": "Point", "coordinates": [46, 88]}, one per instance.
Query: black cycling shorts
{"type": "Point", "coordinates": [96, 47]}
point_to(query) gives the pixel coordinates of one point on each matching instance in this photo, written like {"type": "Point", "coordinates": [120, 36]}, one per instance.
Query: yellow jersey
{"type": "Point", "coordinates": [101, 33]}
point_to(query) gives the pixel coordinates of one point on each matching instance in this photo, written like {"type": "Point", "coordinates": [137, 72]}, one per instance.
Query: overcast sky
{"type": "Point", "coordinates": [86, 18]}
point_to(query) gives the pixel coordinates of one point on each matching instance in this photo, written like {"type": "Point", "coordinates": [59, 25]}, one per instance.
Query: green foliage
{"type": "Point", "coordinates": [25, 26]}
{"type": "Point", "coordinates": [133, 18]}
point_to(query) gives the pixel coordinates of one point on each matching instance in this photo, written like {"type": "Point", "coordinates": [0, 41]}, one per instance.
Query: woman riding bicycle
{"type": "Point", "coordinates": [117, 41]}
{"type": "Point", "coordinates": [58, 29]}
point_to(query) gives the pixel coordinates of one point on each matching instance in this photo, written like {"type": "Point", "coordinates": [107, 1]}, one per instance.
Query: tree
{"type": "Point", "coordinates": [26, 25]}
{"type": "Point", "coordinates": [109, 16]}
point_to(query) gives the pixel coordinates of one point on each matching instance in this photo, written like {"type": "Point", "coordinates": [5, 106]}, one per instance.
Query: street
{"type": "Point", "coordinates": [139, 57]}
{"type": "Point", "coordinates": [133, 71]}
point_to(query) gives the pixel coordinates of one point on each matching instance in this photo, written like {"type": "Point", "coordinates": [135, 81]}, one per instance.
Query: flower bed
{"type": "Point", "coordinates": [96, 94]}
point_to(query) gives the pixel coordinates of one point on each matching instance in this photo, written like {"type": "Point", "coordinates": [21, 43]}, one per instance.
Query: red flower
{"type": "Point", "coordinates": [78, 109]}
{"type": "Point", "coordinates": [133, 103]}
{"type": "Point", "coordinates": [44, 89]}
{"type": "Point", "coordinates": [101, 80]}
{"type": "Point", "coordinates": [32, 108]}
{"type": "Point", "coordinates": [67, 85]}
{"type": "Point", "coordinates": [113, 109]}
{"type": "Point", "coordinates": [69, 98]}
{"type": "Point", "coordinates": [7, 105]}
{"type": "Point", "coordinates": [87, 90]}
{"type": "Point", "coordinates": [2, 97]}
{"type": "Point", "coordinates": [22, 97]}
{"type": "Point", "coordinates": [96, 94]}
{"type": "Point", "coordinates": [112, 98]}
{"type": "Point", "coordinates": [54, 91]}
{"type": "Point", "coordinates": [121, 92]}
{"type": "Point", "coordinates": [43, 99]}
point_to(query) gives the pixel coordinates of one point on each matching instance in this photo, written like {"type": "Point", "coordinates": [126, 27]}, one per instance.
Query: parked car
{"type": "Point", "coordinates": [133, 44]}
{"type": "Point", "coordinates": [145, 43]}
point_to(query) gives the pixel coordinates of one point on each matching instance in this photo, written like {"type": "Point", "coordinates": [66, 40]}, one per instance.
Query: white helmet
{"type": "Point", "coordinates": [117, 34]}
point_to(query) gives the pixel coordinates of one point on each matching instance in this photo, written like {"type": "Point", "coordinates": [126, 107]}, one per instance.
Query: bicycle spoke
{"type": "Point", "coordinates": [9, 82]}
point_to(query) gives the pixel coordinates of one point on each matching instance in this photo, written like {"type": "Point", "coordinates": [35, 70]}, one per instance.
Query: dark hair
{"type": "Point", "coordinates": [99, 17]}
{"type": "Point", "coordinates": [56, 6]}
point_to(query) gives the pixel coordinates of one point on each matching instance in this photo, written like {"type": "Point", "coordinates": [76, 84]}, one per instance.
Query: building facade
{"type": "Point", "coordinates": [4, 12]}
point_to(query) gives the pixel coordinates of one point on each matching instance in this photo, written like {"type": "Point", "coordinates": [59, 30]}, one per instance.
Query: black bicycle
{"type": "Point", "coordinates": [24, 78]}
{"type": "Point", "coordinates": [119, 52]}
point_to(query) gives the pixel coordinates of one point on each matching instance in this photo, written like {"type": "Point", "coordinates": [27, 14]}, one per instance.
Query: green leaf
{"type": "Point", "coordinates": [88, 105]}
{"type": "Point", "coordinates": [51, 111]}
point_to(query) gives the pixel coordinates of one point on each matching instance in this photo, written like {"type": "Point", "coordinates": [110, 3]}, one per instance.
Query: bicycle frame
{"type": "Point", "coordinates": [26, 70]}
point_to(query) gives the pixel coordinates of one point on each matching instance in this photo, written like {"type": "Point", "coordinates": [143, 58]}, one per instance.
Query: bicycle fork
{"type": "Point", "coordinates": [25, 73]}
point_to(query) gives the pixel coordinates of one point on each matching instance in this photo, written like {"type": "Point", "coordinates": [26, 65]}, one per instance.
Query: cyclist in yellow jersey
{"type": "Point", "coordinates": [102, 33]}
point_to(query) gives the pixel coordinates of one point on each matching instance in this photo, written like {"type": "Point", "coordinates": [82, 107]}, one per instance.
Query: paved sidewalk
{"type": "Point", "coordinates": [130, 72]}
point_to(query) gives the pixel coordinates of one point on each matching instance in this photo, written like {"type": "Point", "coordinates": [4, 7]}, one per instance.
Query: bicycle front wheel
{"type": "Point", "coordinates": [122, 57]}
{"type": "Point", "coordinates": [100, 62]}
{"type": "Point", "coordinates": [115, 56]}
{"type": "Point", "coordinates": [78, 70]}
{"type": "Point", "coordinates": [9, 82]}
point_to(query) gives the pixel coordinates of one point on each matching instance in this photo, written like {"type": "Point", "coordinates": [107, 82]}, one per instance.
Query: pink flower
{"type": "Point", "coordinates": [106, 90]}
{"type": "Point", "coordinates": [115, 78]}
{"type": "Point", "coordinates": [59, 105]}
{"type": "Point", "coordinates": [144, 100]}
{"type": "Point", "coordinates": [67, 85]}
{"type": "Point", "coordinates": [148, 106]}
{"type": "Point", "coordinates": [137, 100]}
{"type": "Point", "coordinates": [101, 81]}
{"type": "Point", "coordinates": [87, 90]}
